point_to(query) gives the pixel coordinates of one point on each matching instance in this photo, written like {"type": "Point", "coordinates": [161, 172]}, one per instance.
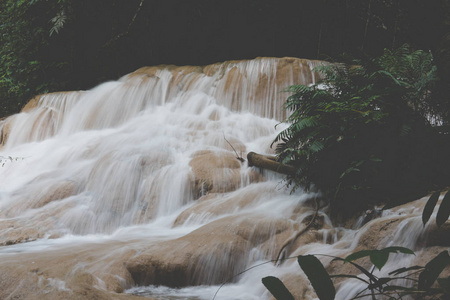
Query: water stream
{"type": "Point", "coordinates": [132, 188]}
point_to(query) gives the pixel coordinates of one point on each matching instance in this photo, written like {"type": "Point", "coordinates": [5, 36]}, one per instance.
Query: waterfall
{"type": "Point", "coordinates": [134, 187]}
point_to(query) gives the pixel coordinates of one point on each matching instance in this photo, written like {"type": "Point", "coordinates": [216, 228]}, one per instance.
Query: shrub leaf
{"type": "Point", "coordinates": [432, 270]}
{"type": "Point", "coordinates": [277, 288]}
{"type": "Point", "coordinates": [318, 276]}
{"type": "Point", "coordinates": [444, 210]}
{"type": "Point", "coordinates": [379, 258]}
{"type": "Point", "coordinates": [429, 207]}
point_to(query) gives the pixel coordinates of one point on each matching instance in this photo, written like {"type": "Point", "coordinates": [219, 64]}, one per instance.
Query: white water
{"type": "Point", "coordinates": [111, 168]}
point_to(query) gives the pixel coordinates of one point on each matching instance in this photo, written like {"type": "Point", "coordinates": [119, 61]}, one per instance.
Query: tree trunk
{"type": "Point", "coordinates": [269, 163]}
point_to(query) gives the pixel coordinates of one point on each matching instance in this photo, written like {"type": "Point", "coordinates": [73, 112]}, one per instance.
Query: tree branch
{"type": "Point", "coordinates": [120, 35]}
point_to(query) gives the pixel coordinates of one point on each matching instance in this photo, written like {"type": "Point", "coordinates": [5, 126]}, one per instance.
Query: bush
{"type": "Point", "coordinates": [368, 132]}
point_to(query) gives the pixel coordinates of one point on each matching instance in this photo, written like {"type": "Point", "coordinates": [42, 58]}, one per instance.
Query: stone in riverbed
{"type": "Point", "coordinates": [208, 255]}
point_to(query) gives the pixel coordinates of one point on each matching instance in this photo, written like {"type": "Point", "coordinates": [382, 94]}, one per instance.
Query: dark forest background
{"type": "Point", "coordinates": [53, 45]}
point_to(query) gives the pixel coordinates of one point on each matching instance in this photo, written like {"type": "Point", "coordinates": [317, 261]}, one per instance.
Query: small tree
{"type": "Point", "coordinates": [367, 132]}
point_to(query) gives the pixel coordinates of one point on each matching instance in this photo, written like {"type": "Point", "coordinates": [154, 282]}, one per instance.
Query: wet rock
{"type": "Point", "coordinates": [377, 233]}
{"type": "Point", "coordinates": [296, 70]}
{"type": "Point", "coordinates": [32, 104]}
{"type": "Point", "coordinates": [215, 172]}
{"type": "Point", "coordinates": [67, 274]}
{"type": "Point", "coordinates": [216, 204]}
{"type": "Point", "coordinates": [439, 236]}
{"type": "Point", "coordinates": [208, 255]}
{"type": "Point", "coordinates": [5, 129]}
{"type": "Point", "coordinates": [54, 192]}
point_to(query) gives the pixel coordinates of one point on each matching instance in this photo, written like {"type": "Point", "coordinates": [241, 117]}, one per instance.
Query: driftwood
{"type": "Point", "coordinates": [269, 163]}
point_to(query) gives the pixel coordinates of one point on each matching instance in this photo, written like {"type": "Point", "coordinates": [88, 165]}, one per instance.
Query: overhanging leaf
{"type": "Point", "coordinates": [432, 270]}
{"type": "Point", "coordinates": [358, 255]}
{"type": "Point", "coordinates": [396, 249]}
{"type": "Point", "coordinates": [277, 288]}
{"type": "Point", "coordinates": [429, 207]}
{"type": "Point", "coordinates": [379, 258]}
{"type": "Point", "coordinates": [444, 210]}
{"type": "Point", "coordinates": [318, 276]}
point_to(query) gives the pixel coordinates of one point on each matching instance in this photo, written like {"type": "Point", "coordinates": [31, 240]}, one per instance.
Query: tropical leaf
{"type": "Point", "coordinates": [429, 207]}
{"type": "Point", "coordinates": [378, 257]}
{"type": "Point", "coordinates": [432, 270]}
{"type": "Point", "coordinates": [357, 255]}
{"type": "Point", "coordinates": [277, 288]}
{"type": "Point", "coordinates": [318, 276]}
{"type": "Point", "coordinates": [444, 210]}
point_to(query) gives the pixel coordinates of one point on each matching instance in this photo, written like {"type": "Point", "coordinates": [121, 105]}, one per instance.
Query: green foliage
{"type": "Point", "coordinates": [277, 288]}
{"type": "Point", "coordinates": [378, 257]}
{"type": "Point", "coordinates": [362, 133]}
{"type": "Point", "coordinates": [26, 55]}
{"type": "Point", "coordinates": [443, 212]}
{"type": "Point", "coordinates": [375, 286]}
{"type": "Point", "coordinates": [432, 270]}
{"type": "Point", "coordinates": [318, 276]}
{"type": "Point", "coordinates": [429, 207]}
{"type": "Point", "coordinates": [58, 22]}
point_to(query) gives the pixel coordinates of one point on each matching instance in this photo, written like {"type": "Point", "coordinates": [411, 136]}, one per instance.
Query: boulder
{"type": "Point", "coordinates": [215, 172]}
{"type": "Point", "coordinates": [213, 205]}
{"type": "Point", "coordinates": [32, 104]}
{"type": "Point", "coordinates": [67, 274]}
{"type": "Point", "coordinates": [5, 129]}
{"type": "Point", "coordinates": [209, 255]}
{"type": "Point", "coordinates": [439, 236]}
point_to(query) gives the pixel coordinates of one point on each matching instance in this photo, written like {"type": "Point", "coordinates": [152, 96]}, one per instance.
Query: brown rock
{"type": "Point", "coordinates": [216, 204]}
{"type": "Point", "coordinates": [5, 129]}
{"type": "Point", "coordinates": [208, 255]}
{"type": "Point", "coordinates": [32, 104]}
{"type": "Point", "coordinates": [67, 273]}
{"type": "Point", "coordinates": [439, 236]}
{"type": "Point", "coordinates": [57, 191]}
{"type": "Point", "coordinates": [215, 172]}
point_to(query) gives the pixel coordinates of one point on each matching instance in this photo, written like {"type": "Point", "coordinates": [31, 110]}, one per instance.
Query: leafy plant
{"type": "Point", "coordinates": [443, 212]}
{"type": "Point", "coordinates": [375, 286]}
{"type": "Point", "coordinates": [422, 277]}
{"type": "Point", "coordinates": [354, 135]}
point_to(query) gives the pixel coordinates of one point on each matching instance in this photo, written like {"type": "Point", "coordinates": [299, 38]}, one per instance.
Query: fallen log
{"type": "Point", "coordinates": [269, 163]}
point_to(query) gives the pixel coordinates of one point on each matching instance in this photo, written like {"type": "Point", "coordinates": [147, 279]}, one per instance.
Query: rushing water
{"type": "Point", "coordinates": [141, 171]}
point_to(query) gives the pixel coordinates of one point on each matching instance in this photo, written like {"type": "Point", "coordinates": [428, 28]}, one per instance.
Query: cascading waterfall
{"type": "Point", "coordinates": [134, 187]}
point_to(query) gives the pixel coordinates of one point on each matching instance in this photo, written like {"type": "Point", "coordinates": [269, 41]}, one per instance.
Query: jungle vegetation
{"type": "Point", "coordinates": [372, 131]}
